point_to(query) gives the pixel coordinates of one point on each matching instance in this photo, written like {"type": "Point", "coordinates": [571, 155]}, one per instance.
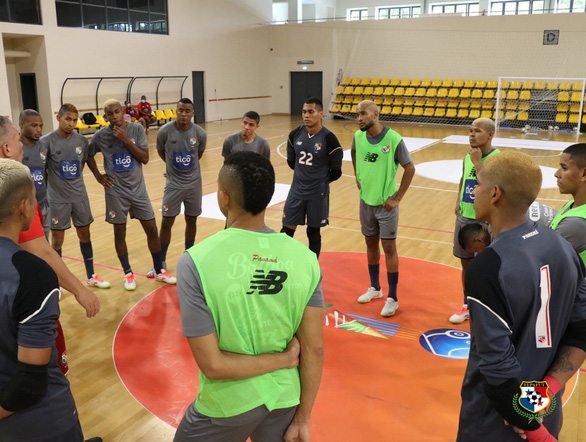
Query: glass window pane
{"type": "Point", "coordinates": [537, 7]}
{"type": "Point", "coordinates": [159, 6]}
{"type": "Point", "coordinates": [405, 12]}
{"type": "Point", "coordinates": [510, 8]}
{"type": "Point", "coordinates": [94, 17]}
{"type": "Point", "coordinates": [474, 9]}
{"type": "Point", "coordinates": [94, 2]}
{"type": "Point", "coordinates": [449, 9]}
{"type": "Point", "coordinates": [461, 9]}
{"type": "Point", "coordinates": [159, 23]}
{"type": "Point", "coordinates": [436, 9]}
{"type": "Point", "coordinates": [139, 21]}
{"type": "Point", "coordinates": [117, 19]}
{"type": "Point", "coordinates": [395, 13]}
{"type": "Point", "coordinates": [68, 15]}
{"type": "Point", "coordinates": [24, 11]}
{"type": "Point", "coordinates": [383, 13]}
{"type": "Point", "coordinates": [416, 11]}
{"type": "Point", "coordinates": [563, 5]}
{"type": "Point", "coordinates": [578, 6]}
{"type": "Point", "coordinates": [4, 11]}
{"type": "Point", "coordinates": [118, 3]}
{"type": "Point", "coordinates": [523, 7]}
{"type": "Point", "coordinates": [139, 5]}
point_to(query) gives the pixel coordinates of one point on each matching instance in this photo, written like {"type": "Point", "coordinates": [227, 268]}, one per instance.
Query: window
{"type": "Point", "coordinates": [410, 11]}
{"type": "Point", "coordinates": [20, 11]}
{"type": "Point", "coordinates": [358, 14]}
{"type": "Point", "coordinates": [517, 7]}
{"type": "Point", "coordinates": [455, 8]}
{"type": "Point", "coordinates": [571, 6]}
{"type": "Point", "coordinates": [148, 16]}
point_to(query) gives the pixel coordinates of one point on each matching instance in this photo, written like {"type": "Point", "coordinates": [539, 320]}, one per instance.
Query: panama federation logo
{"type": "Point", "coordinates": [192, 141]}
{"type": "Point", "coordinates": [534, 398]}
{"type": "Point", "coordinates": [317, 147]}
{"type": "Point", "coordinates": [54, 220]}
{"type": "Point", "coordinates": [111, 214]}
{"type": "Point", "coordinates": [385, 149]}
{"type": "Point", "coordinates": [133, 140]}
{"type": "Point", "coordinates": [165, 208]}
{"type": "Point", "coordinates": [43, 156]}
{"type": "Point", "coordinates": [78, 150]}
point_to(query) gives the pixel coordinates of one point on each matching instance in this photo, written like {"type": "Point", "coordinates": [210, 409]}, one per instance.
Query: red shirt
{"type": "Point", "coordinates": [144, 108]}
{"type": "Point", "coordinates": [35, 230]}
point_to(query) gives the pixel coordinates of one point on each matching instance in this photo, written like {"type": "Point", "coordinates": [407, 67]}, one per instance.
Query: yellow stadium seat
{"type": "Point", "coordinates": [415, 82]}
{"type": "Point", "coordinates": [487, 104]}
{"type": "Point", "coordinates": [339, 90]}
{"type": "Point", "coordinates": [407, 111]}
{"type": "Point", "coordinates": [442, 92]}
{"type": "Point", "coordinates": [440, 112]}
{"type": "Point", "coordinates": [375, 82]}
{"type": "Point", "coordinates": [418, 111]}
{"type": "Point", "coordinates": [348, 90]}
{"type": "Point", "coordinates": [465, 103]}
{"type": "Point", "coordinates": [348, 99]}
{"type": "Point", "coordinates": [346, 81]}
{"type": "Point", "coordinates": [501, 115]}
{"type": "Point", "coordinates": [388, 101]}
{"type": "Point", "coordinates": [565, 86]}
{"type": "Point", "coordinates": [512, 95]}
{"type": "Point", "coordinates": [503, 94]}
{"type": "Point", "coordinates": [454, 93]}
{"type": "Point", "coordinates": [458, 83]}
{"type": "Point", "coordinates": [428, 112]}
{"type": "Point", "coordinates": [442, 102]}
{"type": "Point", "coordinates": [576, 97]}
{"type": "Point", "coordinates": [386, 110]}
{"type": "Point", "coordinates": [583, 118]}
{"type": "Point", "coordinates": [451, 113]}
{"type": "Point", "coordinates": [562, 107]}
{"type": "Point", "coordinates": [337, 99]}
{"type": "Point", "coordinates": [469, 84]}
{"type": "Point", "coordinates": [561, 118]}
{"type": "Point", "coordinates": [523, 105]}
{"type": "Point", "coordinates": [409, 101]}
{"type": "Point", "coordinates": [452, 102]}
{"type": "Point", "coordinates": [378, 100]}
{"type": "Point", "coordinates": [486, 114]}
{"type": "Point", "coordinates": [168, 114]}
{"type": "Point", "coordinates": [355, 81]}
{"type": "Point", "coordinates": [405, 82]}
{"type": "Point", "coordinates": [396, 110]}
{"type": "Point", "coordinates": [563, 96]}
{"type": "Point", "coordinates": [81, 125]}
{"type": "Point", "coordinates": [488, 94]}
{"type": "Point", "coordinates": [447, 83]}
{"type": "Point", "coordinates": [100, 120]}
{"type": "Point", "coordinates": [358, 90]}
{"type": "Point", "coordinates": [575, 107]}
{"type": "Point", "coordinates": [420, 92]}
{"type": "Point", "coordinates": [527, 85]}
{"type": "Point", "coordinates": [436, 83]}
{"type": "Point", "coordinates": [398, 101]}
{"type": "Point", "coordinates": [505, 84]}
{"type": "Point", "coordinates": [409, 92]}
{"type": "Point", "coordinates": [481, 84]}
{"type": "Point", "coordinates": [357, 99]}
{"type": "Point", "coordinates": [475, 104]}
{"type": "Point", "coordinates": [573, 118]}
{"type": "Point", "coordinates": [389, 90]}
{"type": "Point", "coordinates": [474, 113]}
{"type": "Point", "coordinates": [523, 116]}
{"type": "Point", "coordinates": [395, 82]}
{"type": "Point", "coordinates": [420, 102]}
{"type": "Point", "coordinates": [365, 81]}
{"type": "Point", "coordinates": [525, 95]}
{"type": "Point", "coordinates": [431, 102]}
{"type": "Point", "coordinates": [539, 85]}
{"type": "Point", "coordinates": [515, 85]}
{"type": "Point", "coordinates": [385, 82]}
{"type": "Point", "coordinates": [336, 108]}
{"type": "Point", "coordinates": [426, 82]}
{"type": "Point", "coordinates": [476, 93]}
{"type": "Point", "coordinates": [552, 85]}
{"type": "Point", "coordinates": [378, 90]}
{"type": "Point", "coordinates": [492, 84]}
{"type": "Point", "coordinates": [174, 112]}
{"type": "Point", "coordinates": [399, 91]}
{"type": "Point", "coordinates": [511, 115]}
{"type": "Point", "coordinates": [160, 115]}
{"type": "Point", "coordinates": [431, 92]}
{"type": "Point", "coordinates": [353, 109]}
{"type": "Point", "coordinates": [346, 108]}
{"type": "Point", "coordinates": [511, 105]}
{"type": "Point", "coordinates": [577, 86]}
{"type": "Point", "coordinates": [465, 93]}
{"type": "Point", "coordinates": [369, 90]}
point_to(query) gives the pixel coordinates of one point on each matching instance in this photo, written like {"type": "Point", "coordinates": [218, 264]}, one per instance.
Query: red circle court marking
{"type": "Point", "coordinates": [372, 388]}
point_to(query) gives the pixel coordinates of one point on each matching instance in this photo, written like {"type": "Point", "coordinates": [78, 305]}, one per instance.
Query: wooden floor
{"type": "Point", "coordinates": [426, 224]}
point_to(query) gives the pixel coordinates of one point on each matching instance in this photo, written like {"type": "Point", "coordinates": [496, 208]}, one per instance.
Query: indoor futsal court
{"type": "Point", "coordinates": [376, 369]}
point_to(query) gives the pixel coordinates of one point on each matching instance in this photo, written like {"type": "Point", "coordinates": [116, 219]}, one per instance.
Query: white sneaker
{"type": "Point", "coordinates": [96, 281]}
{"type": "Point", "coordinates": [129, 283]}
{"type": "Point", "coordinates": [390, 307]}
{"type": "Point", "coordinates": [151, 273]}
{"type": "Point", "coordinates": [370, 294]}
{"type": "Point", "coordinates": [166, 277]}
{"type": "Point", "coordinates": [461, 315]}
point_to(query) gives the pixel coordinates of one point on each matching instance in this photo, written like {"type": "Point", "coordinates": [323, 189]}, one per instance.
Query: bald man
{"type": "Point", "coordinates": [377, 151]}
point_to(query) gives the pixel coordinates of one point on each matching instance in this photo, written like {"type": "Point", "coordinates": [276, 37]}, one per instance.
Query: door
{"type": "Point", "coordinates": [28, 90]}
{"type": "Point", "coordinates": [303, 86]}
{"type": "Point", "coordinates": [198, 96]}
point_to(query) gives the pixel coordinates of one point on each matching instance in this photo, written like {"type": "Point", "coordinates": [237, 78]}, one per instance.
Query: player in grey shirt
{"type": "Point", "coordinates": [125, 149]}
{"type": "Point", "coordinates": [247, 139]}
{"type": "Point", "coordinates": [66, 155]}
{"type": "Point", "coordinates": [181, 144]}
{"type": "Point", "coordinates": [35, 158]}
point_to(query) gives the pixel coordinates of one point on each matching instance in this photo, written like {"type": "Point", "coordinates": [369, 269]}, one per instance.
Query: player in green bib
{"type": "Point", "coordinates": [570, 221]}
{"type": "Point", "coordinates": [377, 152]}
{"type": "Point", "coordinates": [248, 319]}
{"type": "Point", "coordinates": [481, 134]}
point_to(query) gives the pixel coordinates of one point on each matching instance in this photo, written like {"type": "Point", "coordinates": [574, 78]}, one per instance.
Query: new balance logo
{"type": "Point", "coordinates": [371, 157]}
{"type": "Point", "coordinates": [269, 284]}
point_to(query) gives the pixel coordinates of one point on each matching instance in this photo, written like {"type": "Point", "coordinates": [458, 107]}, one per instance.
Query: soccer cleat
{"type": "Point", "coordinates": [151, 273]}
{"type": "Point", "coordinates": [129, 283]}
{"type": "Point", "coordinates": [96, 281]}
{"type": "Point", "coordinates": [166, 277]}
{"type": "Point", "coordinates": [390, 307]}
{"type": "Point", "coordinates": [370, 294]}
{"type": "Point", "coordinates": [461, 315]}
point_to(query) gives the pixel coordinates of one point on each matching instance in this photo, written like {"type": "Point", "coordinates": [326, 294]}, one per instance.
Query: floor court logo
{"type": "Point", "coordinates": [447, 343]}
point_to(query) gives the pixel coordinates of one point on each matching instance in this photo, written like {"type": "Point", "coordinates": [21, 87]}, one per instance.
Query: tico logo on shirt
{"type": "Point", "coordinates": [267, 284]}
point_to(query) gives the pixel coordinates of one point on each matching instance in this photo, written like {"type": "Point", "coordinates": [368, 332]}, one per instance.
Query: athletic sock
{"type": "Point", "coordinates": [164, 248]}
{"type": "Point", "coordinates": [189, 243]}
{"type": "Point", "coordinates": [393, 278]}
{"type": "Point", "coordinates": [315, 247]}
{"type": "Point", "coordinates": [373, 271]}
{"type": "Point", "coordinates": [157, 262]}
{"type": "Point", "coordinates": [59, 252]}
{"type": "Point", "coordinates": [88, 257]}
{"type": "Point", "coordinates": [288, 231]}
{"type": "Point", "coordinates": [125, 264]}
